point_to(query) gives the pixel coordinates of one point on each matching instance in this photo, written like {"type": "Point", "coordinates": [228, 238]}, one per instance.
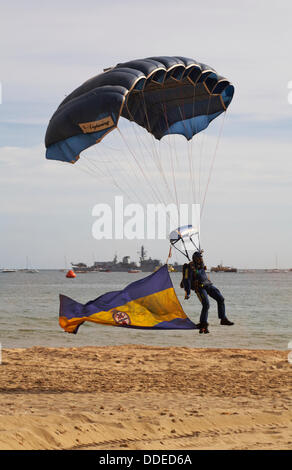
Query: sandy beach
{"type": "Point", "coordinates": [142, 397]}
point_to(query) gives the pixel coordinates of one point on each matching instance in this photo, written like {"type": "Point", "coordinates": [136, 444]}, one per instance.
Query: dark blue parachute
{"type": "Point", "coordinates": [165, 95]}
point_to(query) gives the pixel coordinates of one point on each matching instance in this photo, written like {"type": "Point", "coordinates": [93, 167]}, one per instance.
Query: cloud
{"type": "Point", "coordinates": [56, 46]}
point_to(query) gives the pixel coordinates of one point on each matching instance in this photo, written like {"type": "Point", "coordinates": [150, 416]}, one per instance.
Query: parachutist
{"type": "Point", "coordinates": [195, 278]}
{"type": "Point", "coordinates": [185, 281]}
{"type": "Point", "coordinates": [203, 328]}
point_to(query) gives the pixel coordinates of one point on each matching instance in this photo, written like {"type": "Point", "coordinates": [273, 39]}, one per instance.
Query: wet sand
{"type": "Point", "coordinates": [142, 397]}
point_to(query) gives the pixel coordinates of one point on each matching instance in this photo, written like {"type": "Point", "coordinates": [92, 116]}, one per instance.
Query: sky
{"type": "Point", "coordinates": [49, 49]}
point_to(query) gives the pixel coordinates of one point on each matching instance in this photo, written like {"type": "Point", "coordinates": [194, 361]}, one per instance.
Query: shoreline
{"type": "Point", "coordinates": [145, 397]}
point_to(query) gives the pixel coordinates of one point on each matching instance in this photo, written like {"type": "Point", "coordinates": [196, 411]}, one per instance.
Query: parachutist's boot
{"type": "Point", "coordinates": [203, 327]}
{"type": "Point", "coordinates": [225, 321]}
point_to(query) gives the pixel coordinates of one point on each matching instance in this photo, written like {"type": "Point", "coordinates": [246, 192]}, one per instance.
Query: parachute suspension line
{"type": "Point", "coordinates": [129, 174]}
{"type": "Point", "coordinates": [198, 248]}
{"type": "Point", "coordinates": [201, 151]}
{"type": "Point", "coordinates": [86, 170]}
{"type": "Point", "coordinates": [174, 180]}
{"type": "Point", "coordinates": [185, 249]}
{"type": "Point", "coordinates": [140, 141]}
{"type": "Point", "coordinates": [162, 153]}
{"type": "Point", "coordinates": [143, 148]}
{"type": "Point", "coordinates": [171, 159]}
{"type": "Point", "coordinates": [88, 165]}
{"type": "Point", "coordinates": [157, 160]}
{"type": "Point", "coordinates": [109, 175]}
{"type": "Point", "coordinates": [191, 178]}
{"type": "Point", "coordinates": [96, 169]}
{"type": "Point", "coordinates": [177, 160]}
{"type": "Point", "coordinates": [101, 153]}
{"type": "Point", "coordinates": [213, 160]}
{"type": "Point", "coordinates": [192, 183]}
{"type": "Point", "coordinates": [94, 174]}
{"type": "Point", "coordinates": [186, 252]}
{"type": "Point", "coordinates": [134, 167]}
{"type": "Point", "coordinates": [192, 163]}
{"type": "Point", "coordinates": [157, 195]}
{"type": "Point", "coordinates": [174, 157]}
{"type": "Point", "coordinates": [162, 173]}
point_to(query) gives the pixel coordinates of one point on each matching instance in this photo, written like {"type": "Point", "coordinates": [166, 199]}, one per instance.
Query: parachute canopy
{"type": "Point", "coordinates": [183, 236]}
{"type": "Point", "coordinates": [165, 95]}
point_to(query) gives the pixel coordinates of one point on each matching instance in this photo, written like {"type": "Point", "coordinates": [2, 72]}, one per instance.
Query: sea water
{"type": "Point", "coordinates": [259, 303]}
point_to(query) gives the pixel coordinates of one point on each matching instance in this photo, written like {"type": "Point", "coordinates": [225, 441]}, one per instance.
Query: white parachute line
{"type": "Point", "coordinates": [87, 164]}
{"type": "Point", "coordinates": [177, 160]}
{"type": "Point", "coordinates": [133, 168]}
{"type": "Point", "coordinates": [85, 169]}
{"type": "Point", "coordinates": [156, 161]}
{"type": "Point", "coordinates": [129, 183]}
{"type": "Point", "coordinates": [171, 157]}
{"type": "Point", "coordinates": [191, 175]}
{"type": "Point", "coordinates": [164, 164]}
{"type": "Point", "coordinates": [144, 172]}
{"type": "Point", "coordinates": [173, 175]}
{"type": "Point", "coordinates": [213, 160]}
{"type": "Point", "coordinates": [154, 191]}
{"type": "Point", "coordinates": [154, 149]}
{"type": "Point", "coordinates": [138, 139]}
{"type": "Point", "coordinates": [201, 151]}
{"type": "Point", "coordinates": [110, 175]}
{"type": "Point", "coordinates": [191, 170]}
{"type": "Point", "coordinates": [161, 170]}
{"type": "Point", "coordinates": [96, 169]}
{"type": "Point", "coordinates": [141, 143]}
{"type": "Point", "coordinates": [192, 144]}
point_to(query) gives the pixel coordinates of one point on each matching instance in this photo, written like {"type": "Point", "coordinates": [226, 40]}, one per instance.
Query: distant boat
{"type": "Point", "coordinates": [8, 271]}
{"type": "Point", "coordinates": [276, 269]}
{"type": "Point", "coordinates": [29, 270]}
{"type": "Point", "coordinates": [133, 271]}
{"type": "Point", "coordinates": [223, 269]}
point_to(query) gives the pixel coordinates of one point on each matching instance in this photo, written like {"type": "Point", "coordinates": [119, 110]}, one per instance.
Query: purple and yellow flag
{"type": "Point", "coordinates": [147, 303]}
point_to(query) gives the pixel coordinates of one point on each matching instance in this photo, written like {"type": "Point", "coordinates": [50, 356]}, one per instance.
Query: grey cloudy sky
{"type": "Point", "coordinates": [48, 49]}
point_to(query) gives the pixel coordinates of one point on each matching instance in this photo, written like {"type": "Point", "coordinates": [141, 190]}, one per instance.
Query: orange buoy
{"type": "Point", "coordinates": [70, 273]}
